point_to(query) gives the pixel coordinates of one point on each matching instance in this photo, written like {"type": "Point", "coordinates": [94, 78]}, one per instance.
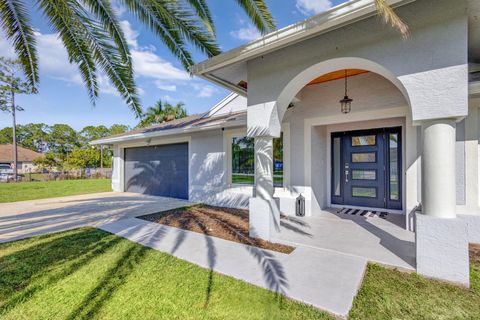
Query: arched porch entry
{"type": "Point", "coordinates": [265, 122]}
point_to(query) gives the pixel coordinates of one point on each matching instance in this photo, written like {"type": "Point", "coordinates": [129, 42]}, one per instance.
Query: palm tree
{"type": "Point", "coordinates": [91, 34]}
{"type": "Point", "coordinates": [161, 112]}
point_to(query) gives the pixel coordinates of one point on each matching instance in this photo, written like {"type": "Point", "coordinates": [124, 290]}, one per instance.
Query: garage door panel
{"type": "Point", "coordinates": [157, 170]}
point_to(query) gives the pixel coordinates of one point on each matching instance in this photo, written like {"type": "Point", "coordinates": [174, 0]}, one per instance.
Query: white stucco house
{"type": "Point", "coordinates": [408, 146]}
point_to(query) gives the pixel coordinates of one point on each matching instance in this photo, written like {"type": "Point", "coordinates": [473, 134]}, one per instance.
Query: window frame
{"type": "Point", "coordinates": [228, 135]}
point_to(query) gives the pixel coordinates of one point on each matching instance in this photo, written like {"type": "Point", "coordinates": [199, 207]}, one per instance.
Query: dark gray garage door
{"type": "Point", "coordinates": [158, 170]}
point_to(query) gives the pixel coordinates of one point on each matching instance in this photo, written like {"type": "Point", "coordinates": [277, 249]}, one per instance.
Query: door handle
{"type": "Point", "coordinates": [346, 175]}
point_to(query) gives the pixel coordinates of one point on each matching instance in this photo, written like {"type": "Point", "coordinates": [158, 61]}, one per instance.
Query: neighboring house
{"type": "Point", "coordinates": [409, 145]}
{"type": "Point", "coordinates": [24, 157]}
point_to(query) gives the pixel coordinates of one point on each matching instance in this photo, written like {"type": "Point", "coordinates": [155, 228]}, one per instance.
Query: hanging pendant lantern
{"type": "Point", "coordinates": [346, 102]}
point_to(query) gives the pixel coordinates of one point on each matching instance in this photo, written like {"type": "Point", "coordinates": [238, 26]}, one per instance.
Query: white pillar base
{"type": "Point", "coordinates": [264, 218]}
{"type": "Point", "coordinates": [442, 249]}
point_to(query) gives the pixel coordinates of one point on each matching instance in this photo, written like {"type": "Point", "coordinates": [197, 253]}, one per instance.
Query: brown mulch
{"type": "Point", "coordinates": [226, 223]}
{"type": "Point", "coordinates": [474, 253]}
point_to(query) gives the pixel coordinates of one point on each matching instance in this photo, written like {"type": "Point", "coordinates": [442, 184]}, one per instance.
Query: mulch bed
{"type": "Point", "coordinates": [474, 253]}
{"type": "Point", "coordinates": [226, 223]}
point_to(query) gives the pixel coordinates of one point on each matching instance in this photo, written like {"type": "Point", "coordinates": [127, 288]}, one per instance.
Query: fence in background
{"type": "Point", "coordinates": [63, 175]}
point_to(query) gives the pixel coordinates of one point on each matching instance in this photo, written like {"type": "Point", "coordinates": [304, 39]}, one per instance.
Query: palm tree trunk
{"type": "Point", "coordinates": [14, 136]}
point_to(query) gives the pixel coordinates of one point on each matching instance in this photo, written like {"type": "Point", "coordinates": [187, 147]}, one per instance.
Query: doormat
{"type": "Point", "coordinates": [364, 213]}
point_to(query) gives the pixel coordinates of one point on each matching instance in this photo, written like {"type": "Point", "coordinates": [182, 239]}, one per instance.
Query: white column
{"type": "Point", "coordinates": [263, 211]}
{"type": "Point", "coordinates": [438, 168]}
{"type": "Point", "coordinates": [441, 239]}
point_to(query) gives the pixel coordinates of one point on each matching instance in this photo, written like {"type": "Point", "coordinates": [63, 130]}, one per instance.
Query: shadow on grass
{"type": "Point", "coordinates": [67, 252]}
{"type": "Point", "coordinates": [113, 280]}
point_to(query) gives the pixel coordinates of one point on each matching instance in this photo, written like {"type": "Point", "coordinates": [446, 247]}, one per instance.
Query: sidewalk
{"type": "Point", "coordinates": [322, 278]}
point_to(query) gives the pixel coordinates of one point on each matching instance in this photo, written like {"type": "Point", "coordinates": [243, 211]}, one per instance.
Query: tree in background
{"type": "Point", "coordinates": [11, 84]}
{"type": "Point", "coordinates": [161, 112]}
{"type": "Point", "coordinates": [63, 147]}
{"type": "Point", "coordinates": [118, 129]}
{"type": "Point", "coordinates": [62, 139]}
{"type": "Point", "coordinates": [90, 133]}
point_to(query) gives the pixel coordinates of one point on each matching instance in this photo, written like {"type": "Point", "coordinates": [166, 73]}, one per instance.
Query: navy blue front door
{"type": "Point", "coordinates": [365, 168]}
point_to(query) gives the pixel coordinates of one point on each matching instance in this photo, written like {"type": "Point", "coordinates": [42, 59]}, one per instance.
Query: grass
{"type": "Point", "coordinates": [242, 179]}
{"type": "Point", "coordinates": [10, 192]}
{"type": "Point", "coordinates": [90, 274]}
{"type": "Point", "coordinates": [391, 294]}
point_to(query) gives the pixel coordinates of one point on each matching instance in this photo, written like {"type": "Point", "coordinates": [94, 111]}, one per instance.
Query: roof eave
{"type": "Point", "coordinates": [327, 21]}
{"type": "Point", "coordinates": [169, 132]}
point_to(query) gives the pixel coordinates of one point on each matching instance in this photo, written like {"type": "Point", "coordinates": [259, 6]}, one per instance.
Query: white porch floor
{"type": "Point", "coordinates": [373, 238]}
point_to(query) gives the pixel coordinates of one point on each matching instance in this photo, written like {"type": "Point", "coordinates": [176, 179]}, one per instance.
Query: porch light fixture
{"type": "Point", "coordinates": [346, 102]}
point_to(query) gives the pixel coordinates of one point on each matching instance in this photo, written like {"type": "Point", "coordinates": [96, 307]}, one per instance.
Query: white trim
{"type": "Point", "coordinates": [225, 101]}
{"type": "Point", "coordinates": [337, 17]}
{"type": "Point", "coordinates": [228, 135]}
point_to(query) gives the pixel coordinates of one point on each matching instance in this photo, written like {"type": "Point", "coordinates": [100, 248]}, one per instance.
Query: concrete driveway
{"type": "Point", "coordinates": [28, 218]}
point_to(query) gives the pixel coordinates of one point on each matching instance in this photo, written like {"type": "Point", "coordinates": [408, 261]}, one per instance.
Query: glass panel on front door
{"type": "Point", "coordinates": [366, 168]}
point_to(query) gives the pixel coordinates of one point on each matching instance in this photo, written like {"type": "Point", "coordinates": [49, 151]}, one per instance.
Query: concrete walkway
{"type": "Point", "coordinates": [24, 219]}
{"type": "Point", "coordinates": [380, 240]}
{"type": "Point", "coordinates": [323, 278]}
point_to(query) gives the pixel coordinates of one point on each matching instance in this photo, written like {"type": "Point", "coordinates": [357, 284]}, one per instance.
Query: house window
{"type": "Point", "coordinates": [243, 164]}
{"type": "Point", "coordinates": [278, 161]}
{"type": "Point", "coordinates": [243, 161]}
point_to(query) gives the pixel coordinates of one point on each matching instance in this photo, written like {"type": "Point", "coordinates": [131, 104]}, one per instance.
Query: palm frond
{"type": "Point", "coordinates": [141, 9]}
{"type": "Point", "coordinates": [103, 11]}
{"type": "Point", "coordinates": [202, 10]}
{"type": "Point", "coordinates": [15, 21]}
{"type": "Point", "coordinates": [390, 17]}
{"type": "Point", "coordinates": [259, 14]}
{"type": "Point", "coordinates": [89, 44]}
{"type": "Point", "coordinates": [172, 12]}
{"type": "Point", "coordinates": [62, 18]}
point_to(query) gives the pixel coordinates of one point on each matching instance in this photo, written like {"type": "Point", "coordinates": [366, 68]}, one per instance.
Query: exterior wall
{"type": "Point", "coordinates": [434, 81]}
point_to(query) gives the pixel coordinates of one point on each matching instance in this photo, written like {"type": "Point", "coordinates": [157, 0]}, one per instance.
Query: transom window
{"type": "Point", "coordinates": [243, 161]}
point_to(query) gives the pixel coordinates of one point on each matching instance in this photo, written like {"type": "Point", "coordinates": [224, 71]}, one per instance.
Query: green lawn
{"type": "Point", "coordinates": [87, 273]}
{"type": "Point", "coordinates": [19, 191]}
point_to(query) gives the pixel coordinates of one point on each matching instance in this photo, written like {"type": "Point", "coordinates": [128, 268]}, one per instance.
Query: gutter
{"type": "Point", "coordinates": [169, 132]}
{"type": "Point", "coordinates": [337, 17]}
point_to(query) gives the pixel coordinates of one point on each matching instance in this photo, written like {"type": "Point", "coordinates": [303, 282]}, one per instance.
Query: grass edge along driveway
{"type": "Point", "coordinates": [20, 191]}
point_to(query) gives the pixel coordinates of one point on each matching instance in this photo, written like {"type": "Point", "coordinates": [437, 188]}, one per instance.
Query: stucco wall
{"type": "Point", "coordinates": [430, 66]}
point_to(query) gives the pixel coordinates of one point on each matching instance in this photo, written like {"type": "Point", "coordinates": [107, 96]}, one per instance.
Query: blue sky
{"type": "Point", "coordinates": [63, 99]}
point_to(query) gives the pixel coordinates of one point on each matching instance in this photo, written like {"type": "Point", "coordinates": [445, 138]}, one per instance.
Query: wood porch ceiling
{"type": "Point", "coordinates": [339, 74]}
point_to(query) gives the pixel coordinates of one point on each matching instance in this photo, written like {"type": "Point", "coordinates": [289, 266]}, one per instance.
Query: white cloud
{"type": "Point", "coordinates": [130, 34]}
{"type": "Point", "coordinates": [204, 91]}
{"type": "Point", "coordinates": [309, 7]}
{"type": "Point", "coordinates": [148, 64]}
{"type": "Point", "coordinates": [6, 49]}
{"type": "Point", "coordinates": [165, 86]}
{"type": "Point", "coordinates": [248, 33]}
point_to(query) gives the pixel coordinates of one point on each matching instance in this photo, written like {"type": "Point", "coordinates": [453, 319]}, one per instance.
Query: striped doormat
{"type": "Point", "coordinates": [364, 213]}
